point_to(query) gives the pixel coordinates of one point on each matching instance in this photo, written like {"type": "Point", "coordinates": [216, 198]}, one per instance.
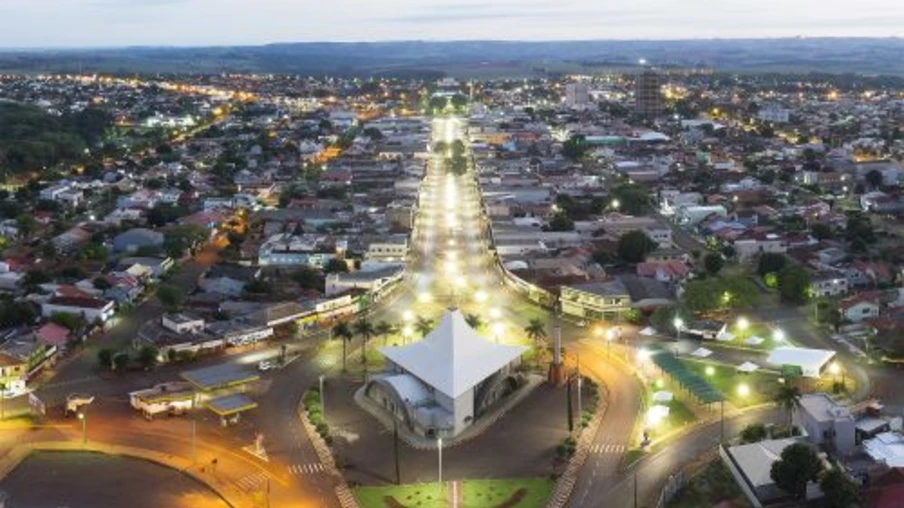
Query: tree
{"type": "Point", "coordinates": [147, 356]}
{"type": "Point", "coordinates": [308, 278]}
{"type": "Point", "coordinates": [560, 222]}
{"type": "Point", "coordinates": [840, 491]}
{"type": "Point", "coordinates": [536, 331]}
{"type": "Point", "coordinates": [474, 320]}
{"type": "Point", "coordinates": [788, 398]}
{"type": "Point", "coordinates": [184, 237]}
{"type": "Point", "coordinates": [384, 329]}
{"type": "Point", "coordinates": [423, 325]}
{"type": "Point", "coordinates": [713, 263]}
{"type": "Point", "coordinates": [794, 284]}
{"type": "Point", "coordinates": [633, 199]}
{"type": "Point", "coordinates": [70, 321]}
{"type": "Point", "coordinates": [821, 231]}
{"type": "Point", "coordinates": [170, 296]}
{"type": "Point", "coordinates": [874, 178]}
{"type": "Point", "coordinates": [120, 360]}
{"type": "Point", "coordinates": [634, 246]}
{"type": "Point", "coordinates": [702, 296]}
{"type": "Point", "coordinates": [365, 329]}
{"type": "Point", "coordinates": [342, 332]}
{"type": "Point", "coordinates": [753, 433]}
{"type": "Point", "coordinates": [770, 262]}
{"type": "Point", "coordinates": [335, 266]}
{"type": "Point", "coordinates": [575, 147]}
{"type": "Point", "coordinates": [105, 357]}
{"type": "Point", "coordinates": [797, 466]}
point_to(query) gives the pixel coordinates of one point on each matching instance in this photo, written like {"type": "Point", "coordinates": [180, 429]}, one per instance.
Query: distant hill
{"type": "Point", "coordinates": [847, 55]}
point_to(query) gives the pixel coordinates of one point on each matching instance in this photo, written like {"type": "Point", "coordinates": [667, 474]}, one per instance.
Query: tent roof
{"type": "Point", "coordinates": [806, 358]}
{"type": "Point", "coordinates": [453, 358]}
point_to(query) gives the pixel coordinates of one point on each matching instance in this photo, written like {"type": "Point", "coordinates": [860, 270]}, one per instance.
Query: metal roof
{"type": "Point", "coordinates": [231, 404]}
{"type": "Point", "coordinates": [219, 376]}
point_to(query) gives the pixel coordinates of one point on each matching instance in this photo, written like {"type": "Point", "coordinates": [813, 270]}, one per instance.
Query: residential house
{"type": "Point", "coordinates": [860, 307]}
{"type": "Point", "coordinates": [827, 283]}
{"type": "Point", "coordinates": [89, 308]}
{"type": "Point", "coordinates": [826, 422]}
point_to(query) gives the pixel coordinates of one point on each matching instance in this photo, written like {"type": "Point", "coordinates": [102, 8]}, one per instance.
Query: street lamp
{"type": "Point", "coordinates": [406, 333]}
{"type": "Point", "coordinates": [616, 204]}
{"type": "Point", "coordinates": [610, 335]}
{"type": "Point", "coordinates": [743, 324]}
{"type": "Point", "coordinates": [84, 419]}
{"type": "Point", "coordinates": [439, 449]}
{"type": "Point", "coordinates": [322, 398]}
{"type": "Point", "coordinates": [778, 335]}
{"type": "Point", "coordinates": [743, 390]}
{"type": "Point", "coordinates": [408, 315]}
{"type": "Point", "coordinates": [498, 328]}
{"type": "Point", "coordinates": [679, 324]}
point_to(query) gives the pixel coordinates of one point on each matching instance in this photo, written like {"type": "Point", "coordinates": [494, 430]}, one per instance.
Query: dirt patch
{"type": "Point", "coordinates": [514, 499]}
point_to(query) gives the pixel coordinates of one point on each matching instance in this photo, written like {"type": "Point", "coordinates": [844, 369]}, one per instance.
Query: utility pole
{"type": "Point", "coordinates": [395, 438]}
{"type": "Point", "coordinates": [722, 420]}
{"type": "Point", "coordinates": [635, 486]}
{"type": "Point", "coordinates": [194, 438]}
{"type": "Point", "coordinates": [568, 395]}
{"type": "Point", "coordinates": [578, 356]}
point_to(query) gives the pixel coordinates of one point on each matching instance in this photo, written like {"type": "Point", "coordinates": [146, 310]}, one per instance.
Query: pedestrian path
{"type": "Point", "coordinates": [303, 469]}
{"type": "Point", "coordinates": [603, 448]}
{"type": "Point", "coordinates": [253, 481]}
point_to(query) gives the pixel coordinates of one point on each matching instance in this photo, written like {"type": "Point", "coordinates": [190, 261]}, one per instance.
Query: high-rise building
{"type": "Point", "coordinates": [577, 94]}
{"type": "Point", "coordinates": [648, 99]}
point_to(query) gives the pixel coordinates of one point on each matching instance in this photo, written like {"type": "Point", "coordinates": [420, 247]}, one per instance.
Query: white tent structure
{"type": "Point", "coordinates": [810, 361]}
{"type": "Point", "coordinates": [438, 386]}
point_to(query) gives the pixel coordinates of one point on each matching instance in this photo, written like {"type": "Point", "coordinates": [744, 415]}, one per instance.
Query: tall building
{"type": "Point", "coordinates": [648, 99]}
{"type": "Point", "coordinates": [577, 94]}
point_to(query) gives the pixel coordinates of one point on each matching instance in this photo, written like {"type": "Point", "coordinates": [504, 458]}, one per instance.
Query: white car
{"type": "Point", "coordinates": [264, 365]}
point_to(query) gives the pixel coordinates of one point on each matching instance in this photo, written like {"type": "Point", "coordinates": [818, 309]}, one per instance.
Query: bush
{"type": "Point", "coordinates": [753, 433]}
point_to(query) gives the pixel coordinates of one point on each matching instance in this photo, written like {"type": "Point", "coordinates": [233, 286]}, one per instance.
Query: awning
{"type": "Point", "coordinates": [231, 404]}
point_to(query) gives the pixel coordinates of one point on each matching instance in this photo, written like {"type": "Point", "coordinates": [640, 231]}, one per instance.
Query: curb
{"type": "Point", "coordinates": [343, 493]}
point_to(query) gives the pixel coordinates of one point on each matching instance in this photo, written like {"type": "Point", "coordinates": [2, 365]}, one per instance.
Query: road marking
{"type": "Point", "coordinates": [302, 469]}
{"type": "Point", "coordinates": [608, 448]}
{"type": "Point", "coordinates": [252, 482]}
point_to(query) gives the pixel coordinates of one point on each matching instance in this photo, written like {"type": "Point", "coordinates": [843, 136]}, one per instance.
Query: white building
{"type": "Point", "coordinates": [439, 386]}
{"type": "Point", "coordinates": [811, 361]}
{"type": "Point", "coordinates": [391, 248]}
{"type": "Point", "coordinates": [90, 309]}
{"type": "Point", "coordinates": [181, 323]}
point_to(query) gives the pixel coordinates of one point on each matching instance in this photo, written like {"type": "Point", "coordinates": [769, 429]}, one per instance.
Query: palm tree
{"type": "Point", "coordinates": [788, 397]}
{"type": "Point", "coordinates": [384, 329]}
{"type": "Point", "coordinates": [536, 330]}
{"type": "Point", "coordinates": [423, 326]}
{"type": "Point", "coordinates": [473, 320]}
{"type": "Point", "coordinates": [341, 331]}
{"type": "Point", "coordinates": [365, 329]}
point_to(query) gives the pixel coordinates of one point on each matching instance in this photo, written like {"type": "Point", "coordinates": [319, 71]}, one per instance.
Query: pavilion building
{"type": "Point", "coordinates": [439, 386]}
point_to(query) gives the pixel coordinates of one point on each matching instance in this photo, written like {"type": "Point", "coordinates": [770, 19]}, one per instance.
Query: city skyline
{"type": "Point", "coordinates": [114, 23]}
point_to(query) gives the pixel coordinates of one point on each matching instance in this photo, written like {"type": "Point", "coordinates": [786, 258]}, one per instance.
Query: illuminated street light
{"type": "Point", "coordinates": [679, 324]}
{"type": "Point", "coordinates": [710, 370]}
{"type": "Point", "coordinates": [743, 390]}
{"type": "Point", "coordinates": [480, 296]}
{"type": "Point", "coordinates": [616, 204]}
{"type": "Point", "coordinates": [598, 331]}
{"type": "Point", "coordinates": [497, 328]}
{"type": "Point", "coordinates": [778, 335]}
{"type": "Point", "coordinates": [743, 324]}
{"type": "Point", "coordinates": [424, 297]}
{"type": "Point", "coordinates": [408, 315]}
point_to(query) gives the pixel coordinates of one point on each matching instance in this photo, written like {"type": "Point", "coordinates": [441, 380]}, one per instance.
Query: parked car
{"type": "Point", "coordinates": [264, 365]}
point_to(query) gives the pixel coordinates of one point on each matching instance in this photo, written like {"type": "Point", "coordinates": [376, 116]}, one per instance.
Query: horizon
{"type": "Point", "coordinates": [449, 41]}
{"type": "Point", "coordinates": [79, 24]}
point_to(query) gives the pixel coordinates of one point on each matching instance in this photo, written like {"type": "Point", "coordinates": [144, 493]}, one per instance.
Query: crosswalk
{"type": "Point", "coordinates": [252, 481]}
{"type": "Point", "coordinates": [302, 469]}
{"type": "Point", "coordinates": [607, 448]}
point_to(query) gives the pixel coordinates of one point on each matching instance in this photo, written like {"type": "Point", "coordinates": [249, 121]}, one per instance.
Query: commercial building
{"type": "Point", "coordinates": [648, 99]}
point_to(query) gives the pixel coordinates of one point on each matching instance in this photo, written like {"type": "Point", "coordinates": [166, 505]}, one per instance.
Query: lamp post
{"type": "Point", "coordinates": [439, 449]}
{"type": "Point", "coordinates": [679, 324]}
{"type": "Point", "coordinates": [609, 336]}
{"type": "Point", "coordinates": [84, 419]}
{"type": "Point", "coordinates": [322, 398]}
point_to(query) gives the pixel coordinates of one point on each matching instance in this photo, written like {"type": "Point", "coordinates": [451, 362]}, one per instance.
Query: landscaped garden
{"type": "Point", "coordinates": [739, 388]}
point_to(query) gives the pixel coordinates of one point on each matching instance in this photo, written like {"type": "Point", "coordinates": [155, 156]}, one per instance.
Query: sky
{"type": "Point", "coordinates": [80, 23]}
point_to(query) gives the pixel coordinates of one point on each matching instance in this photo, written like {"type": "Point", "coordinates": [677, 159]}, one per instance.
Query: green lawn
{"type": "Point", "coordinates": [714, 485]}
{"type": "Point", "coordinates": [421, 495]}
{"type": "Point", "coordinates": [761, 386]}
{"type": "Point", "coordinates": [489, 493]}
{"type": "Point", "coordinates": [530, 493]}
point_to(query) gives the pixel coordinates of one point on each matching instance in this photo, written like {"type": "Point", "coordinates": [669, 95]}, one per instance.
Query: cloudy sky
{"type": "Point", "coordinates": [54, 23]}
